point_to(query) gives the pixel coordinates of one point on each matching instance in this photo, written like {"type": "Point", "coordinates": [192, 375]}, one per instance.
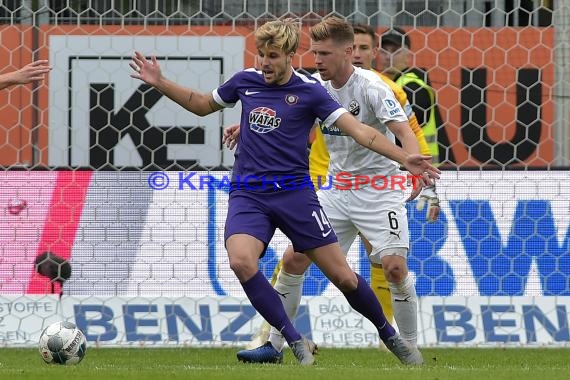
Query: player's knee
{"type": "Point", "coordinates": [295, 263]}
{"type": "Point", "coordinates": [345, 281]}
{"type": "Point", "coordinates": [395, 270]}
{"type": "Point", "coordinates": [243, 267]}
{"type": "Point", "coordinates": [394, 264]}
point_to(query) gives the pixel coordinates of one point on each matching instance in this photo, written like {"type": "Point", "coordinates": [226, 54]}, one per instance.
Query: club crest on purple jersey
{"type": "Point", "coordinates": [291, 99]}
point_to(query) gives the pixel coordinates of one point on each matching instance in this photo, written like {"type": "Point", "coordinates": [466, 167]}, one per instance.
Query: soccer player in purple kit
{"type": "Point", "coordinates": [279, 108]}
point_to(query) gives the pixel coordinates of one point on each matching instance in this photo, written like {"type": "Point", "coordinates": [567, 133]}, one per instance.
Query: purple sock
{"type": "Point", "coordinates": [267, 303]}
{"type": "Point", "coordinates": [363, 300]}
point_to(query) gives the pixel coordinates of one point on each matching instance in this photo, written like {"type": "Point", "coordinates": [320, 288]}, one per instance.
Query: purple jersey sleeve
{"type": "Point", "coordinates": [227, 94]}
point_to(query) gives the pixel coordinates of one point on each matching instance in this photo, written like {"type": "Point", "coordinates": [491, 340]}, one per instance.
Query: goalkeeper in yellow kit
{"type": "Point", "coordinates": [365, 50]}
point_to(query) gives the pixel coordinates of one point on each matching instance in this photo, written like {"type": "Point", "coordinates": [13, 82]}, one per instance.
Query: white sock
{"type": "Point", "coordinates": [289, 287]}
{"type": "Point", "coordinates": [405, 305]}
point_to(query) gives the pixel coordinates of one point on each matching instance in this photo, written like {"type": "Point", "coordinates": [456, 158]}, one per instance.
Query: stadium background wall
{"type": "Point", "coordinates": [496, 92]}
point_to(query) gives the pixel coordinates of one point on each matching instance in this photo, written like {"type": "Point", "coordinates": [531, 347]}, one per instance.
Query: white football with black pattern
{"type": "Point", "coordinates": [62, 343]}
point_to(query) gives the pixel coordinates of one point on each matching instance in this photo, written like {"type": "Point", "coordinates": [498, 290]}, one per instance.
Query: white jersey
{"type": "Point", "coordinates": [373, 102]}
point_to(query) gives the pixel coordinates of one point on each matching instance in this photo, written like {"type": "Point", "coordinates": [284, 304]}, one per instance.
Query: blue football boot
{"type": "Point", "coordinates": [262, 354]}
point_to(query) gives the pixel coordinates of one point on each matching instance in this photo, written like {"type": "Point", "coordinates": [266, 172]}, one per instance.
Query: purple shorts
{"type": "Point", "coordinates": [297, 213]}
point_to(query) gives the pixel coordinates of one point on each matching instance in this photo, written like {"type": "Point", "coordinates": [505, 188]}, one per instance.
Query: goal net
{"type": "Point", "coordinates": [113, 197]}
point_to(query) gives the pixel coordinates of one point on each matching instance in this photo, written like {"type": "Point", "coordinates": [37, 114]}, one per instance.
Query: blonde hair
{"type": "Point", "coordinates": [334, 28]}
{"type": "Point", "coordinates": [280, 34]}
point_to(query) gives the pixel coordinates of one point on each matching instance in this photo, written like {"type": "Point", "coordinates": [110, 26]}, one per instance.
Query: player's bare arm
{"type": "Point", "coordinates": [372, 139]}
{"type": "Point", "coordinates": [404, 133]}
{"type": "Point", "coordinates": [149, 72]}
{"type": "Point", "coordinates": [32, 72]}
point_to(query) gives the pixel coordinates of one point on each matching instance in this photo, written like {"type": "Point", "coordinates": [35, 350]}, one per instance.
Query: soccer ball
{"type": "Point", "coordinates": [62, 343]}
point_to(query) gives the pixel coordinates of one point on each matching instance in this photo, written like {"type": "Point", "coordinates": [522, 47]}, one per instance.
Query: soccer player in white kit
{"type": "Point", "coordinates": [354, 204]}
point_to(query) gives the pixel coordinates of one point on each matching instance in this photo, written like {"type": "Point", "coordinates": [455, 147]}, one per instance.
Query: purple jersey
{"type": "Point", "coordinates": [275, 125]}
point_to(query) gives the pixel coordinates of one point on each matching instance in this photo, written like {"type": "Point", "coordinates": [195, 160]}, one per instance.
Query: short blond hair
{"type": "Point", "coordinates": [280, 34]}
{"type": "Point", "coordinates": [334, 28]}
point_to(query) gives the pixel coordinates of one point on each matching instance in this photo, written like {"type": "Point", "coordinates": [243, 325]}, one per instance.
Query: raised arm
{"type": "Point", "coordinates": [34, 71]}
{"type": "Point", "coordinates": [150, 73]}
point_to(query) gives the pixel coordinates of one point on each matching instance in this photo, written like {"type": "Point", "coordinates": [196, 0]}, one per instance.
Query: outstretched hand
{"type": "Point", "coordinates": [33, 72]}
{"type": "Point", "coordinates": [145, 70]}
{"type": "Point", "coordinates": [422, 170]}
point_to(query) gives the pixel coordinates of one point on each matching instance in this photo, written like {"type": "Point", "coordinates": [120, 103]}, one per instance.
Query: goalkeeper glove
{"type": "Point", "coordinates": [430, 198]}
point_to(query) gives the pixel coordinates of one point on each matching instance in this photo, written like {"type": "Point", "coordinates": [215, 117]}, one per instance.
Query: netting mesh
{"type": "Point", "coordinates": [499, 75]}
{"type": "Point", "coordinates": [79, 150]}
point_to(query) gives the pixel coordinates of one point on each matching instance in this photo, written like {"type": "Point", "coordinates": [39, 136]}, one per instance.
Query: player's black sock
{"type": "Point", "coordinates": [363, 300]}
{"type": "Point", "coordinates": [266, 301]}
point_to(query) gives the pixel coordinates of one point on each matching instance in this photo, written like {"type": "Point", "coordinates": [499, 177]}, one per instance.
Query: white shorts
{"type": "Point", "coordinates": [379, 215]}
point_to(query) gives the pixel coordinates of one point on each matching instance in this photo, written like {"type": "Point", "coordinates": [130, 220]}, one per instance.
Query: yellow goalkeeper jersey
{"type": "Point", "coordinates": [319, 156]}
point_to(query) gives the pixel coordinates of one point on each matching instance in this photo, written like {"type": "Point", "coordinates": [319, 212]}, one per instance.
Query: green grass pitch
{"type": "Point", "coordinates": [332, 364]}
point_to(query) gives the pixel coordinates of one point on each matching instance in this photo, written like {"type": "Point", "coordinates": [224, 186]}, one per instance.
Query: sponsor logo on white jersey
{"type": "Point", "coordinates": [392, 107]}
{"type": "Point", "coordinates": [332, 130]}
